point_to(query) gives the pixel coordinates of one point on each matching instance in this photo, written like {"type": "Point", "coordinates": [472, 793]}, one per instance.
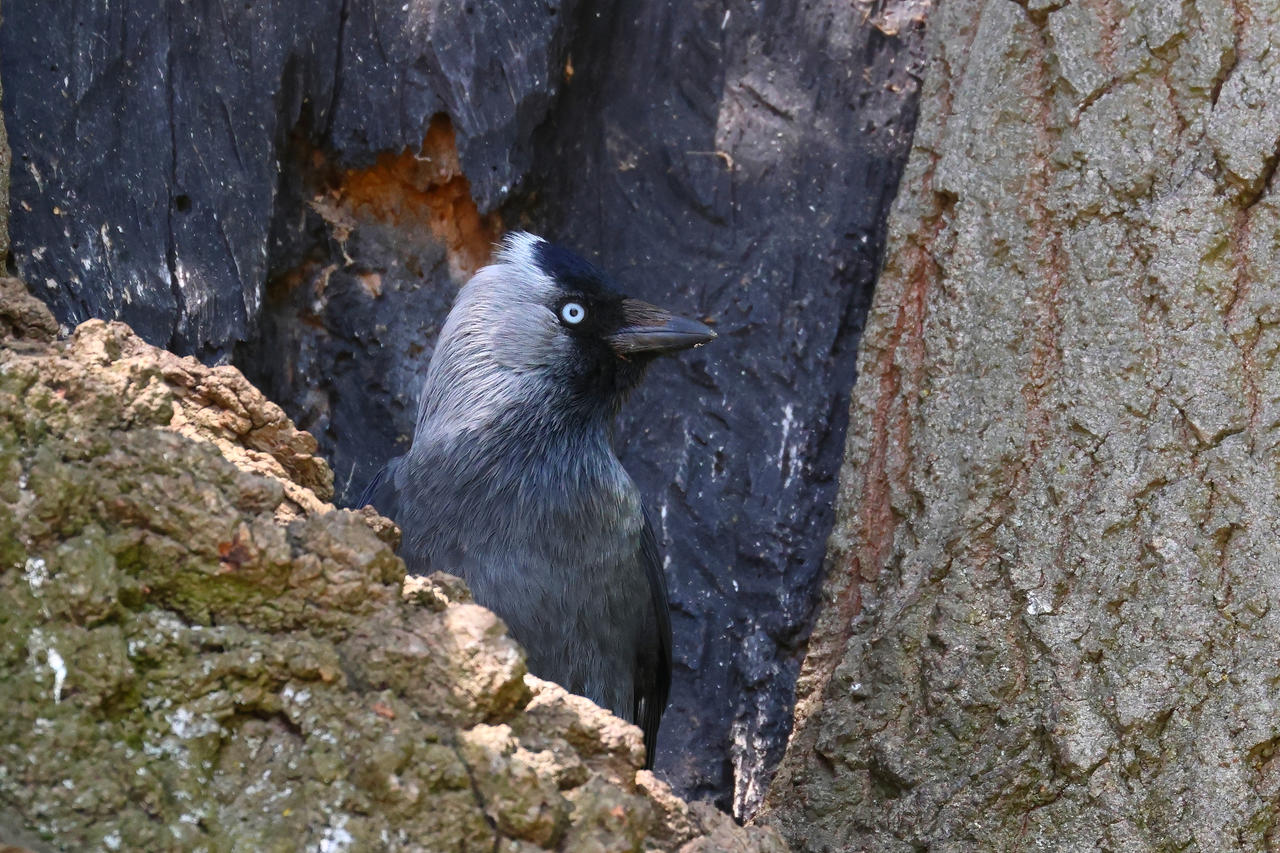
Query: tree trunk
{"type": "Point", "coordinates": [1048, 621]}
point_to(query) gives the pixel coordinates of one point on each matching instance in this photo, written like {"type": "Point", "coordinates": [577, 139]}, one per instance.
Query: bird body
{"type": "Point", "coordinates": [511, 480]}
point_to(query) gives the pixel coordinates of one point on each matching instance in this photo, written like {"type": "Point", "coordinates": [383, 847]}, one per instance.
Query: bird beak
{"type": "Point", "coordinates": [650, 329]}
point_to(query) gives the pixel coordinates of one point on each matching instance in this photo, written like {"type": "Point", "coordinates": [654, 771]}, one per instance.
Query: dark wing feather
{"type": "Point", "coordinates": [653, 654]}
{"type": "Point", "coordinates": [381, 493]}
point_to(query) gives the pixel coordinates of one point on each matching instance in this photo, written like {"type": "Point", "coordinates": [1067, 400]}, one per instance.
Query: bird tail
{"type": "Point", "coordinates": [381, 493]}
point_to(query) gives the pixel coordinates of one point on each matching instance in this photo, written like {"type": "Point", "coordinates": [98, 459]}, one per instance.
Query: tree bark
{"type": "Point", "coordinates": [1050, 617]}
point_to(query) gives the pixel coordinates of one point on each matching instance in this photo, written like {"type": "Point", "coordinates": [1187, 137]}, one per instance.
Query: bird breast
{"type": "Point", "coordinates": [549, 540]}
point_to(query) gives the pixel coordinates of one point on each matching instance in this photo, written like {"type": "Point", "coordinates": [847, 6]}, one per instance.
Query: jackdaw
{"type": "Point", "coordinates": [511, 480]}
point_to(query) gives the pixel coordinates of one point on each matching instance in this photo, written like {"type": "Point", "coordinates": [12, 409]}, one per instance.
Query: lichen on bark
{"type": "Point", "coordinates": [1049, 616]}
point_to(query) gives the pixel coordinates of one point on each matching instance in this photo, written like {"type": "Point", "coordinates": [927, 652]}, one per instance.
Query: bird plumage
{"type": "Point", "coordinates": [511, 480]}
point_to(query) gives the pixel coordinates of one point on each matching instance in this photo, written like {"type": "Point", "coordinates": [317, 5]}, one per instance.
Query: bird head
{"type": "Point", "coordinates": [542, 326]}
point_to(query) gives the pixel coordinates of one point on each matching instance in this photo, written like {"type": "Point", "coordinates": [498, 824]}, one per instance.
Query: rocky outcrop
{"type": "Point", "coordinates": [199, 652]}
{"type": "Point", "coordinates": [1050, 620]}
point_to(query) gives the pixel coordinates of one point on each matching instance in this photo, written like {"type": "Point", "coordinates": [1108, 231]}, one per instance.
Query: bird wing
{"type": "Point", "coordinates": [381, 493]}
{"type": "Point", "coordinates": [653, 663]}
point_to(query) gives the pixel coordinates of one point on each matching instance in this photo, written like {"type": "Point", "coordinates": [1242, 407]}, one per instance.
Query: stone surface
{"type": "Point", "coordinates": [299, 187]}
{"type": "Point", "coordinates": [1049, 621]}
{"type": "Point", "coordinates": [23, 318]}
{"type": "Point", "coordinates": [198, 652]}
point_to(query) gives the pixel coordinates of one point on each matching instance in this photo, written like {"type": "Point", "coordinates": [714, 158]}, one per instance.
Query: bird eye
{"type": "Point", "coordinates": [573, 313]}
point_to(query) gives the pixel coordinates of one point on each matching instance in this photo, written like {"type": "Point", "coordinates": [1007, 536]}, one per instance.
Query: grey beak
{"type": "Point", "coordinates": [650, 329]}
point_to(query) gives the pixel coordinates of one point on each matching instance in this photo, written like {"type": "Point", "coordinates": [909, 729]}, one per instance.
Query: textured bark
{"type": "Point", "coordinates": [1050, 620]}
{"type": "Point", "coordinates": [300, 187]}
{"type": "Point", "coordinates": [199, 653]}
{"type": "Point", "coordinates": [149, 135]}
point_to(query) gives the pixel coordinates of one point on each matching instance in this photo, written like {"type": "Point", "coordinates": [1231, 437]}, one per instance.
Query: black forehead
{"type": "Point", "coordinates": [571, 271]}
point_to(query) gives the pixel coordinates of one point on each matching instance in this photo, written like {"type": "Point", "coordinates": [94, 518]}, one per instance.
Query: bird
{"type": "Point", "coordinates": [512, 482]}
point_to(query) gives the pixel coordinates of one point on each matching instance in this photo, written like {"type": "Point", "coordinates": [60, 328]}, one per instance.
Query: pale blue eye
{"type": "Point", "coordinates": [573, 313]}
